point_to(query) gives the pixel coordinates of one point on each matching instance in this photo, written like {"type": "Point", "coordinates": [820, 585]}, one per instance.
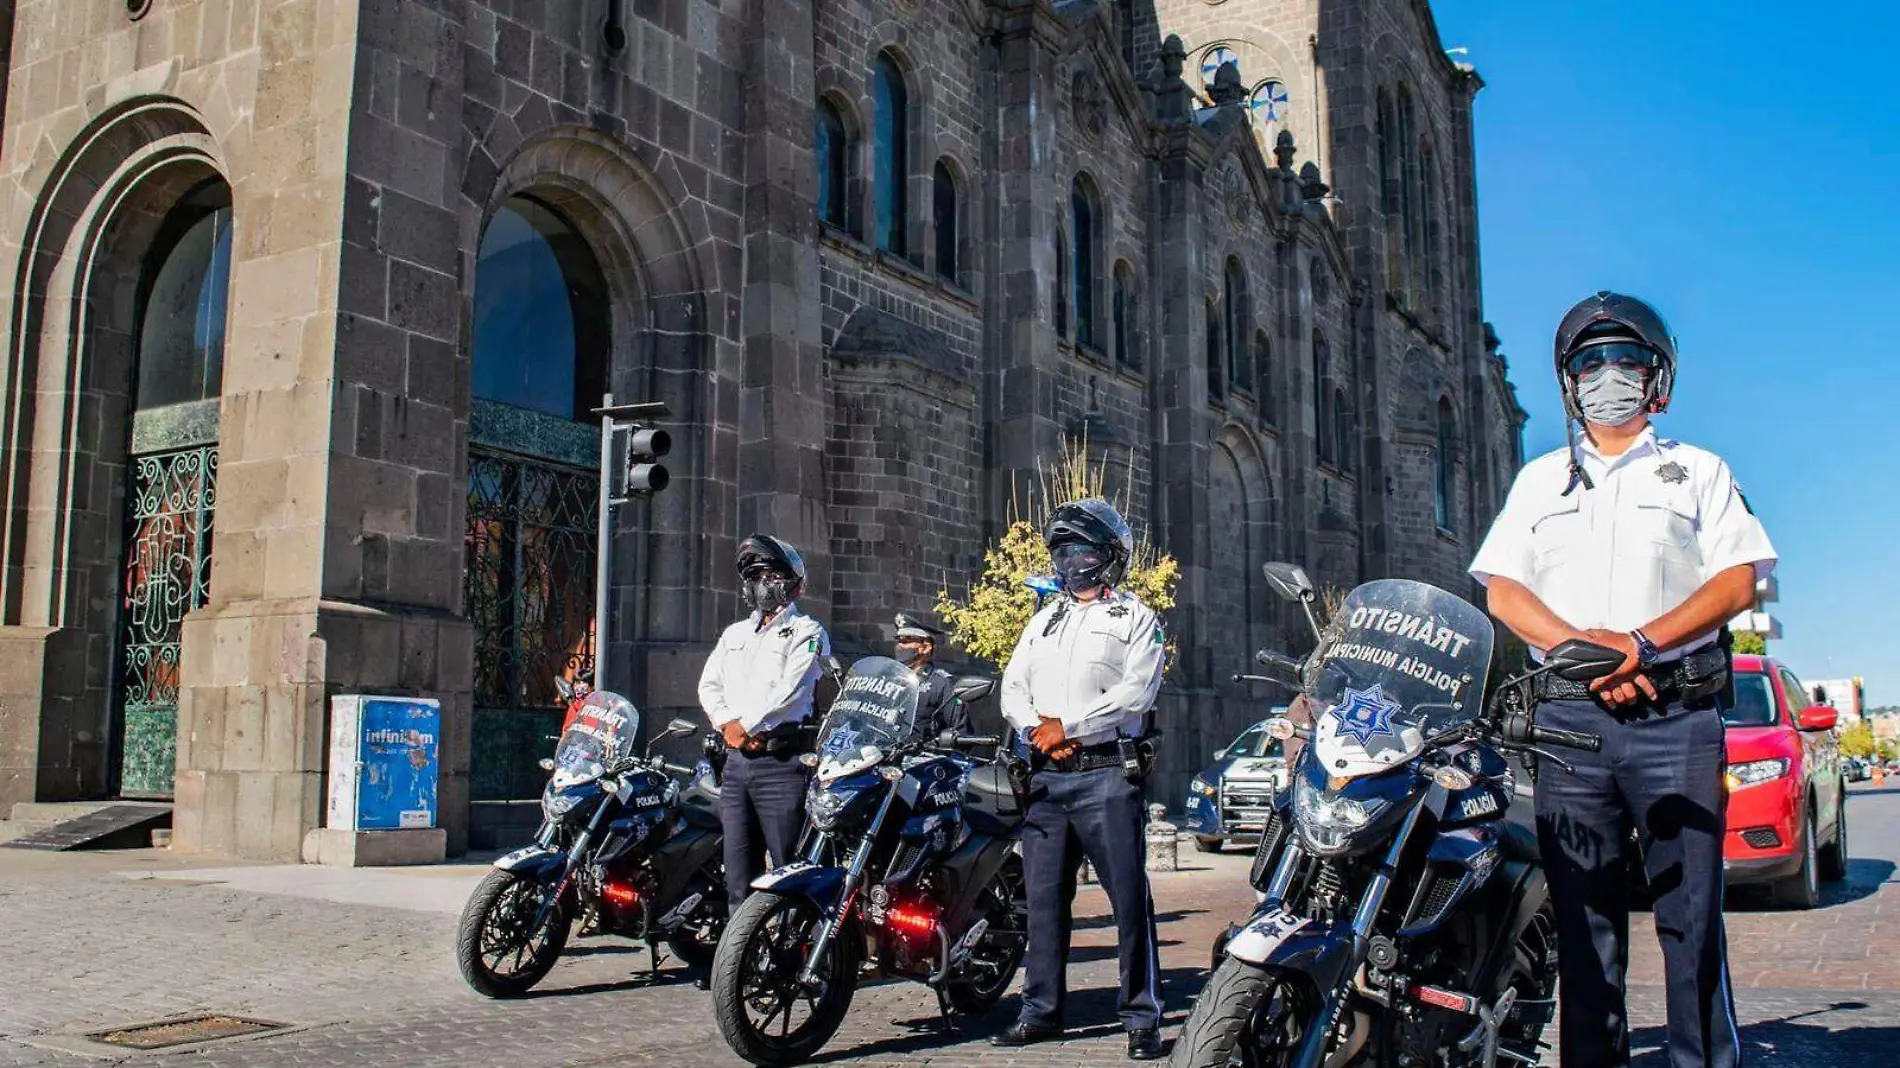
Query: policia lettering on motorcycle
{"type": "Point", "coordinates": [1080, 684]}
{"type": "Point", "coordinates": [1644, 544]}
{"type": "Point", "coordinates": [938, 708]}
{"type": "Point", "coordinates": [757, 691]}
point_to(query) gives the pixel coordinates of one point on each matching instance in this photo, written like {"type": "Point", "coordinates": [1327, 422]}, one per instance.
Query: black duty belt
{"type": "Point", "coordinates": [786, 739]}
{"type": "Point", "coordinates": [1696, 675]}
{"type": "Point", "coordinates": [1091, 758]}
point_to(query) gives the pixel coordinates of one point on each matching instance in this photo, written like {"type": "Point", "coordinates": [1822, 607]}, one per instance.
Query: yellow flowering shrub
{"type": "Point", "coordinates": [990, 616]}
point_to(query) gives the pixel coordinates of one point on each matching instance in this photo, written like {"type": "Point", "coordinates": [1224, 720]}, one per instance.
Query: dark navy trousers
{"type": "Point", "coordinates": [1660, 772]}
{"type": "Point", "coordinates": [761, 810]}
{"type": "Point", "coordinates": [1094, 814]}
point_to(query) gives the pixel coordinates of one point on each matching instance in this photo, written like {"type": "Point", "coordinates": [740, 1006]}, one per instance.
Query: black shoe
{"type": "Point", "coordinates": [1144, 1044]}
{"type": "Point", "coordinates": [1024, 1034]}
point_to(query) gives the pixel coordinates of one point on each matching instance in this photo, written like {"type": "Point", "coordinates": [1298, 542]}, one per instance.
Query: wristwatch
{"type": "Point", "coordinates": [1646, 652]}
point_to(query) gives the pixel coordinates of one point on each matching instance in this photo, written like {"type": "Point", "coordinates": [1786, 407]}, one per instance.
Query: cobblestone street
{"type": "Point", "coordinates": [359, 964]}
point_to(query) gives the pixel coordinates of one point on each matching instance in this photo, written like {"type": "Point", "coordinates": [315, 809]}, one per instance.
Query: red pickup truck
{"type": "Point", "coordinates": [1787, 800]}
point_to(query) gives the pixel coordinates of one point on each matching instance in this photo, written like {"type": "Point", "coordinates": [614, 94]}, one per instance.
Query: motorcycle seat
{"type": "Point", "coordinates": [988, 791]}
{"type": "Point", "coordinates": [1518, 842]}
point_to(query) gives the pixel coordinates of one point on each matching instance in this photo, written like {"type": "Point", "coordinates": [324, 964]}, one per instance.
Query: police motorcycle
{"type": "Point", "coordinates": [624, 849]}
{"type": "Point", "coordinates": [907, 869]}
{"type": "Point", "coordinates": [1401, 921]}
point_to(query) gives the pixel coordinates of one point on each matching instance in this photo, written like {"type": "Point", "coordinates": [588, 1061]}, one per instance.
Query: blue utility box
{"type": "Point", "coordinates": [384, 762]}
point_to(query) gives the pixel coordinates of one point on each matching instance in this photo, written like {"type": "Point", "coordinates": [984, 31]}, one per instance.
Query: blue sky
{"type": "Point", "coordinates": [1738, 165]}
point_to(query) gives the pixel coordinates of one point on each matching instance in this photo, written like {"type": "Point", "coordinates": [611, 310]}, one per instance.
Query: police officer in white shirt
{"type": "Point", "coordinates": [1638, 542]}
{"type": "Point", "coordinates": [757, 691]}
{"type": "Point", "coordinates": [1080, 685]}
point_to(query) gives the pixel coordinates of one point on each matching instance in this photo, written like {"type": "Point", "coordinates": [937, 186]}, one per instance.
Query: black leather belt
{"type": "Point", "coordinates": [1090, 758]}
{"type": "Point", "coordinates": [784, 740]}
{"type": "Point", "coordinates": [1697, 674]}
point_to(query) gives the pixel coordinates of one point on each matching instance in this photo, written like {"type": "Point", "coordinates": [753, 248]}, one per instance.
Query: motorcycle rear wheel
{"type": "Point", "coordinates": [756, 970]}
{"type": "Point", "coordinates": [994, 961]}
{"type": "Point", "coordinates": [498, 952]}
{"type": "Point", "coordinates": [1247, 1016]}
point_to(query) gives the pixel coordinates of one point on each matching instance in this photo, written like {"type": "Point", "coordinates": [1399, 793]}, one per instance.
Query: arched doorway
{"type": "Point", "coordinates": [171, 467]}
{"type": "Point", "coordinates": [540, 349]}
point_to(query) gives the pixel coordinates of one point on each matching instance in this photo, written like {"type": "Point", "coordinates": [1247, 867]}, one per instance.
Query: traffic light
{"type": "Point", "coordinates": [642, 476]}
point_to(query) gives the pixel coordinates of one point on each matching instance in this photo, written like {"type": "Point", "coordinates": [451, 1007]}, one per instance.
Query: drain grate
{"type": "Point", "coordinates": [192, 1029]}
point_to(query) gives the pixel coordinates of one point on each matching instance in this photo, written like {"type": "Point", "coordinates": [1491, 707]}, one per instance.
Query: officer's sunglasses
{"type": "Point", "coordinates": [1620, 354]}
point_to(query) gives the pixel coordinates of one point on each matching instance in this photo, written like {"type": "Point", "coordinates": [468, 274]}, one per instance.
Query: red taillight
{"type": "Point", "coordinates": [1446, 999]}
{"type": "Point", "coordinates": [620, 895]}
{"type": "Point", "coordinates": [912, 919]}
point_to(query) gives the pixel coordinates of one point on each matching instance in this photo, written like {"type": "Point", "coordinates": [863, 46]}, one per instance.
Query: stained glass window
{"type": "Point", "coordinates": [1269, 101]}
{"type": "Point", "coordinates": [1124, 314]}
{"type": "Point", "coordinates": [944, 218]}
{"type": "Point", "coordinates": [1082, 273]}
{"type": "Point", "coordinates": [181, 322]}
{"type": "Point", "coordinates": [833, 144]}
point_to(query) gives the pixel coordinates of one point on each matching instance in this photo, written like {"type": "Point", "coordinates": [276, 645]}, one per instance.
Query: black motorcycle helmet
{"type": "Point", "coordinates": [1605, 319]}
{"type": "Point", "coordinates": [771, 572]}
{"type": "Point", "coordinates": [1094, 523]}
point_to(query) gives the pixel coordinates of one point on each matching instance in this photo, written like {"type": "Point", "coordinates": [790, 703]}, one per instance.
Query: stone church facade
{"type": "Point", "coordinates": [308, 302]}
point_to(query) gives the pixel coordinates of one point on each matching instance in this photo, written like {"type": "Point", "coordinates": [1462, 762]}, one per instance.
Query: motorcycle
{"type": "Point", "coordinates": [1401, 920]}
{"type": "Point", "coordinates": [623, 849]}
{"type": "Point", "coordinates": [907, 862]}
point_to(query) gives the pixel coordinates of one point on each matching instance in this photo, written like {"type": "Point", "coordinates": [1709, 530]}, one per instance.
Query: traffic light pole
{"type": "Point", "coordinates": [627, 450]}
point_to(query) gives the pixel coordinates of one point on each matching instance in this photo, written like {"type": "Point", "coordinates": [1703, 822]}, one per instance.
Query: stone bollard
{"type": "Point", "coordinates": [1164, 847]}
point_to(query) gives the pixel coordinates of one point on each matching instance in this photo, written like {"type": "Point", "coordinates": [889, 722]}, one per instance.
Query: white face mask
{"type": "Point", "coordinates": [1612, 395]}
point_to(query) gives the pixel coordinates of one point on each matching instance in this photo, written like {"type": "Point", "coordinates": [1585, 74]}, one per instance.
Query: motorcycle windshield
{"type": "Point", "coordinates": [876, 709]}
{"type": "Point", "coordinates": [600, 736]}
{"type": "Point", "coordinates": [1403, 661]}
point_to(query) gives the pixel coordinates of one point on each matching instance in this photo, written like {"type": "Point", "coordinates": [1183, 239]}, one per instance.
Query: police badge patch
{"type": "Point", "coordinates": [1673, 473]}
{"type": "Point", "coordinates": [1365, 713]}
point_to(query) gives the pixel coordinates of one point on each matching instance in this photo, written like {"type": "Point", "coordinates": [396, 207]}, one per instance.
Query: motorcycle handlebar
{"type": "Point", "coordinates": [676, 769]}
{"type": "Point", "coordinates": [1589, 743]}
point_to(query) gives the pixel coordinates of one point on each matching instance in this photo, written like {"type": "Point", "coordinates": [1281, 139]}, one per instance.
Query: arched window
{"type": "Point", "coordinates": [1428, 225]}
{"type": "Point", "coordinates": [1061, 295]}
{"type": "Point", "coordinates": [1408, 196]}
{"type": "Point", "coordinates": [1124, 315]}
{"type": "Point", "coordinates": [1263, 374]}
{"type": "Point", "coordinates": [182, 304]}
{"type": "Point", "coordinates": [541, 320]}
{"type": "Point", "coordinates": [1323, 440]}
{"type": "Point", "coordinates": [835, 151]}
{"type": "Point", "coordinates": [1447, 446]}
{"type": "Point", "coordinates": [1390, 195]}
{"type": "Point", "coordinates": [1234, 298]}
{"type": "Point", "coordinates": [1216, 356]}
{"type": "Point", "coordinates": [1343, 426]}
{"type": "Point", "coordinates": [891, 153]}
{"type": "Point", "coordinates": [944, 218]}
{"type": "Point", "coordinates": [1084, 271]}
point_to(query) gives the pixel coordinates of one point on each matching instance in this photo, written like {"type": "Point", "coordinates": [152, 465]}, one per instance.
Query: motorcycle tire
{"type": "Point", "coordinates": [747, 937]}
{"type": "Point", "coordinates": [1238, 998]}
{"type": "Point", "coordinates": [695, 948]}
{"type": "Point", "coordinates": [500, 890]}
{"type": "Point", "coordinates": [1006, 897]}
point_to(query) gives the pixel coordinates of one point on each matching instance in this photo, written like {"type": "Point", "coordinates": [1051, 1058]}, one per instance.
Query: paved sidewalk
{"type": "Point", "coordinates": [361, 963]}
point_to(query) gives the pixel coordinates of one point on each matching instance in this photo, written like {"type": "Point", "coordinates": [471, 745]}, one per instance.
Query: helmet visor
{"type": "Point", "coordinates": [1623, 354]}
{"type": "Point", "coordinates": [1074, 557]}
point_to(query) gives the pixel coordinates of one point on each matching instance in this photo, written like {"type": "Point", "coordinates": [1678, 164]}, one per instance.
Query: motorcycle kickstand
{"type": "Point", "coordinates": [653, 960]}
{"type": "Point", "coordinates": [943, 1009]}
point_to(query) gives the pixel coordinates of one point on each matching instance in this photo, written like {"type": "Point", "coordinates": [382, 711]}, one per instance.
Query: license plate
{"type": "Point", "coordinates": [1263, 934]}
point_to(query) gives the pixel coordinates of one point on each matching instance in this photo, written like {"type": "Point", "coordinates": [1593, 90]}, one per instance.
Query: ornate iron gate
{"type": "Point", "coordinates": [167, 573]}
{"type": "Point", "coordinates": [529, 592]}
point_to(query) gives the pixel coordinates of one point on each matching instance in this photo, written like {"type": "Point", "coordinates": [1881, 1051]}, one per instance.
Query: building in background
{"type": "Point", "coordinates": [308, 305]}
{"type": "Point", "coordinates": [1847, 696]}
{"type": "Point", "coordinates": [1758, 620]}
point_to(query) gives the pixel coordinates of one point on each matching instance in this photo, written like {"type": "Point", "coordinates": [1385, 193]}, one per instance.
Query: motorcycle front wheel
{"type": "Point", "coordinates": [1247, 1016]}
{"type": "Point", "coordinates": [764, 1013]}
{"type": "Point", "coordinates": [502, 950]}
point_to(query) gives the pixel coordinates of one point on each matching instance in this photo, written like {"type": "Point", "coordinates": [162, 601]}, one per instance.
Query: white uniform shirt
{"type": "Point", "coordinates": [1662, 519]}
{"type": "Point", "coordinates": [1097, 669]}
{"type": "Point", "coordinates": [762, 677]}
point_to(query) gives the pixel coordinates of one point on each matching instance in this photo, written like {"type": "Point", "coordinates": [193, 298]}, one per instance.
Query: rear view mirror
{"type": "Point", "coordinates": [1818, 718]}
{"type": "Point", "coordinates": [1582, 661]}
{"type": "Point", "coordinates": [833, 666]}
{"type": "Point", "coordinates": [564, 687]}
{"type": "Point", "coordinates": [546, 763]}
{"type": "Point", "coordinates": [971, 688]}
{"type": "Point", "coordinates": [681, 726]}
{"type": "Point", "coordinates": [1288, 580]}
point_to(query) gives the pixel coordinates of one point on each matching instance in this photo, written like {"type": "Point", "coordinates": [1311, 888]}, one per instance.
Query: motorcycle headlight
{"type": "Point", "coordinates": [1755, 772]}
{"type": "Point", "coordinates": [1327, 822]}
{"type": "Point", "coordinates": [1201, 788]}
{"type": "Point", "coordinates": [823, 806]}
